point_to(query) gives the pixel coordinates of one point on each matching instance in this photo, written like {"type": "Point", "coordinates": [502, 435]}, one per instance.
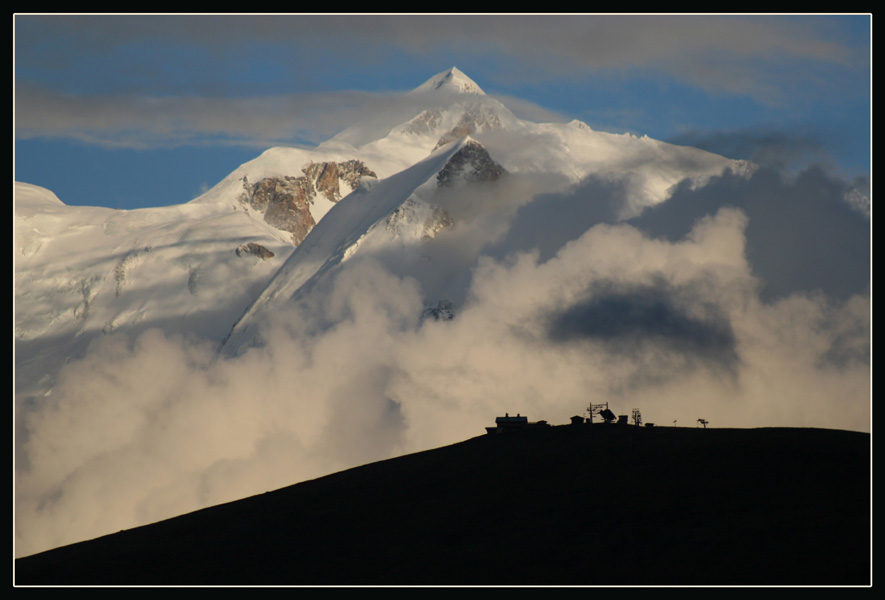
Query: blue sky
{"type": "Point", "coordinates": [147, 110]}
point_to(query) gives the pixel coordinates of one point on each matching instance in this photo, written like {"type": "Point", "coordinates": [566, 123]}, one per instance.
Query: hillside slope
{"type": "Point", "coordinates": [552, 506]}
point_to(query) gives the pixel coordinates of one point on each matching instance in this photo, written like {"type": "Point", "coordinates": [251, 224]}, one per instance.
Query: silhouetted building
{"type": "Point", "coordinates": [508, 423]}
{"type": "Point", "coordinates": [576, 420]}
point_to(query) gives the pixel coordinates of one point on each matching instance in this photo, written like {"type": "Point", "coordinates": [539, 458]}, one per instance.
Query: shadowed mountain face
{"type": "Point", "coordinates": [583, 505]}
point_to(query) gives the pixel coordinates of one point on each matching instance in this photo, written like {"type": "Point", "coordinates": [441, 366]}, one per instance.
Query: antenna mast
{"type": "Point", "coordinates": [596, 409]}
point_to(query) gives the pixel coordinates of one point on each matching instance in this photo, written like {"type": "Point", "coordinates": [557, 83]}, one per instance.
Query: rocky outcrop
{"type": "Point", "coordinates": [327, 177]}
{"type": "Point", "coordinates": [285, 201]}
{"type": "Point", "coordinates": [351, 171]}
{"type": "Point", "coordinates": [472, 163]}
{"type": "Point", "coordinates": [253, 249]}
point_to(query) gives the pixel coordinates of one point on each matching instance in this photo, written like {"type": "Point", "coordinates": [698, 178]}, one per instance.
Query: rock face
{"type": "Point", "coordinates": [253, 249]}
{"type": "Point", "coordinates": [351, 171]}
{"type": "Point", "coordinates": [470, 164]}
{"type": "Point", "coordinates": [285, 201]}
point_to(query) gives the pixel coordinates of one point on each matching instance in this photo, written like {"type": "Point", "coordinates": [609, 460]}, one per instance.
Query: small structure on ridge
{"type": "Point", "coordinates": [637, 417]}
{"type": "Point", "coordinates": [607, 416]}
{"type": "Point", "coordinates": [598, 409]}
{"type": "Point", "coordinates": [507, 423]}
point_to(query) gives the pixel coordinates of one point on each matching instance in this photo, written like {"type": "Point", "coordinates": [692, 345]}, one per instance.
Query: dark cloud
{"type": "Point", "coordinates": [803, 233]}
{"type": "Point", "coordinates": [628, 318]}
{"type": "Point", "coordinates": [766, 145]}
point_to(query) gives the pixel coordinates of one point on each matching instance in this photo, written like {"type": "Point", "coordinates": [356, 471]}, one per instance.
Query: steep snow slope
{"type": "Point", "coordinates": [82, 272]}
{"type": "Point", "coordinates": [370, 219]}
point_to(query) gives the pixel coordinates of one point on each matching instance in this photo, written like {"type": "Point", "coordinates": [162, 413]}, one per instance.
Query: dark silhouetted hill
{"type": "Point", "coordinates": [567, 505]}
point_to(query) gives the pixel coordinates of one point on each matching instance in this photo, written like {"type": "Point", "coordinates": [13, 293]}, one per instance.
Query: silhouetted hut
{"type": "Point", "coordinates": [508, 423]}
{"type": "Point", "coordinates": [576, 420]}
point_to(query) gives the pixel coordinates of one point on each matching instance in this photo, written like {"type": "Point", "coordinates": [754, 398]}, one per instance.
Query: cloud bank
{"type": "Point", "coordinates": [140, 122]}
{"type": "Point", "coordinates": [710, 51]}
{"type": "Point", "coordinates": [161, 80]}
{"type": "Point", "coordinates": [680, 322]}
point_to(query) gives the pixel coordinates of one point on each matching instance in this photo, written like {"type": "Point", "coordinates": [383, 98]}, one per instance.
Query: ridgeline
{"type": "Point", "coordinates": [564, 505]}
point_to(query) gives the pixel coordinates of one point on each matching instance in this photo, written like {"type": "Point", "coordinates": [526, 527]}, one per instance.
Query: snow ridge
{"type": "Point", "coordinates": [337, 237]}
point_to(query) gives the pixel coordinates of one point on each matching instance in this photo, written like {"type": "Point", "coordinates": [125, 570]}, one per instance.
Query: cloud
{"type": "Point", "coordinates": [708, 50]}
{"type": "Point", "coordinates": [142, 122]}
{"type": "Point", "coordinates": [627, 319]}
{"type": "Point", "coordinates": [133, 121]}
{"type": "Point", "coordinates": [767, 145]}
{"type": "Point", "coordinates": [148, 427]}
{"type": "Point", "coordinates": [185, 76]}
{"type": "Point", "coordinates": [806, 232]}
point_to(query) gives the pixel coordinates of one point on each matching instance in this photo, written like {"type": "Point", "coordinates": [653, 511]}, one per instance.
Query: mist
{"type": "Point", "coordinates": [548, 318]}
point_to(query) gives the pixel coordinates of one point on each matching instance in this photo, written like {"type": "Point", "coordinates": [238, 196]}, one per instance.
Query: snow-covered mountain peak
{"type": "Point", "coordinates": [452, 80]}
{"type": "Point", "coordinates": [446, 107]}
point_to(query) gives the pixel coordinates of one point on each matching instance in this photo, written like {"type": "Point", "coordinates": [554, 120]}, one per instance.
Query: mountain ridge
{"type": "Point", "coordinates": [335, 240]}
{"type": "Point", "coordinates": [563, 505]}
{"type": "Point", "coordinates": [356, 224]}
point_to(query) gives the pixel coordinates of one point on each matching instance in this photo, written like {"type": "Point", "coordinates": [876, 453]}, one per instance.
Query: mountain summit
{"type": "Point", "coordinates": [452, 80]}
{"type": "Point", "coordinates": [446, 107]}
{"type": "Point", "coordinates": [275, 200]}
